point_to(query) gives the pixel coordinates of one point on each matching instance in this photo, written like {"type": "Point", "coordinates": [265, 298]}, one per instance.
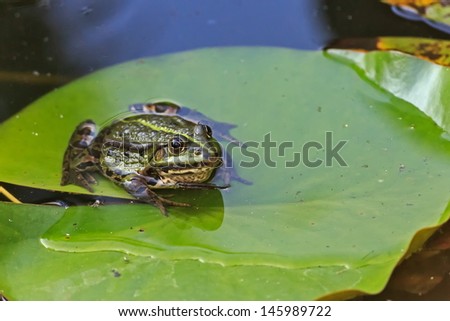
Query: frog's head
{"type": "Point", "coordinates": [191, 157]}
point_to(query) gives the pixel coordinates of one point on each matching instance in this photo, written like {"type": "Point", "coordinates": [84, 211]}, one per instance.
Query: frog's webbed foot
{"type": "Point", "coordinates": [78, 161]}
{"type": "Point", "coordinates": [82, 179]}
{"type": "Point", "coordinates": [141, 190]}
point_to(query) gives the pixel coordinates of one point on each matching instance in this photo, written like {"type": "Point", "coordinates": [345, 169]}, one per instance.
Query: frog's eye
{"type": "Point", "coordinates": [208, 131]}
{"type": "Point", "coordinates": [176, 145]}
{"type": "Point", "coordinates": [202, 132]}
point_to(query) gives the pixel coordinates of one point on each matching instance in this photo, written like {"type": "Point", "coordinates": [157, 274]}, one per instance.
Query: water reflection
{"type": "Point", "coordinates": [100, 34]}
{"type": "Point", "coordinates": [46, 43]}
{"type": "Point", "coordinates": [61, 40]}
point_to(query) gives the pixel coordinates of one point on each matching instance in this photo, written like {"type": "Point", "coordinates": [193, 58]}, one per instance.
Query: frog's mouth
{"type": "Point", "coordinates": [194, 158]}
{"type": "Point", "coordinates": [189, 165]}
{"type": "Point", "coordinates": [196, 174]}
{"type": "Point", "coordinates": [214, 162]}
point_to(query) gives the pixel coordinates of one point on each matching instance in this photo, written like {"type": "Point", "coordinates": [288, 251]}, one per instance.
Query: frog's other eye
{"type": "Point", "coordinates": [176, 145]}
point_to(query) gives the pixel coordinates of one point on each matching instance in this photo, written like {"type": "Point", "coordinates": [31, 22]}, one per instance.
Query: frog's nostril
{"type": "Point", "coordinates": [211, 150]}
{"type": "Point", "coordinates": [197, 151]}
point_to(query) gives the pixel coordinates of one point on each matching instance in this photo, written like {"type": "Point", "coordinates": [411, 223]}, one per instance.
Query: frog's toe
{"type": "Point", "coordinates": [89, 179]}
{"type": "Point", "coordinates": [161, 207]}
{"type": "Point", "coordinates": [85, 180]}
{"type": "Point", "coordinates": [82, 179]}
{"type": "Point", "coordinates": [173, 203]}
{"type": "Point", "coordinates": [160, 203]}
{"type": "Point", "coordinates": [139, 189]}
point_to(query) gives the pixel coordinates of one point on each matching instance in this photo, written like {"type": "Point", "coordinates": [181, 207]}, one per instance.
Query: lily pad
{"type": "Point", "coordinates": [410, 78]}
{"type": "Point", "coordinates": [319, 221]}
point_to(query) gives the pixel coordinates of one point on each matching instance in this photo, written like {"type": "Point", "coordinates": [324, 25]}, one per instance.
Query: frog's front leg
{"type": "Point", "coordinates": [140, 187]}
{"type": "Point", "coordinates": [78, 161]}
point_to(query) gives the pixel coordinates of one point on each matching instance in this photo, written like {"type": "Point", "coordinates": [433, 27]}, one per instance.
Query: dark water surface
{"type": "Point", "coordinates": [44, 44]}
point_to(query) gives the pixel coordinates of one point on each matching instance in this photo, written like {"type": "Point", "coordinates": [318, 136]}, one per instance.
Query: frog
{"type": "Point", "coordinates": [161, 145]}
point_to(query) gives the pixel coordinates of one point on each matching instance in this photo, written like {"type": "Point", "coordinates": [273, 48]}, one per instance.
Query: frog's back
{"type": "Point", "coordinates": [146, 128]}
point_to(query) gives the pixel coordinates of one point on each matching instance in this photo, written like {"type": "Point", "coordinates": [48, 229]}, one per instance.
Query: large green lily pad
{"type": "Point", "coordinates": [299, 232]}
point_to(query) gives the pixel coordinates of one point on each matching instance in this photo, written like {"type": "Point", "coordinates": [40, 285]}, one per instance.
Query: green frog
{"type": "Point", "coordinates": [163, 146]}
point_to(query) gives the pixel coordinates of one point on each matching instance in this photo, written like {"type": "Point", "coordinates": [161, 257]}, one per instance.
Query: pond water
{"type": "Point", "coordinates": [46, 44]}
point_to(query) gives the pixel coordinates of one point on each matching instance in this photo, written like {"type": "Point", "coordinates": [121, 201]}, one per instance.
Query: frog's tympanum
{"type": "Point", "coordinates": [158, 148]}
